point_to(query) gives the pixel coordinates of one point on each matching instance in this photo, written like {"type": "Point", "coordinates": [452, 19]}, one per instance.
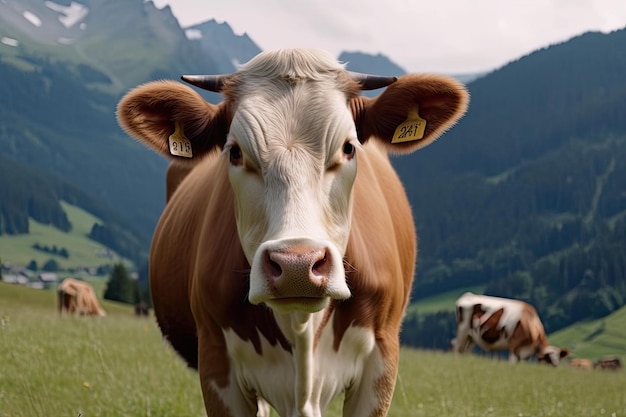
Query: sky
{"type": "Point", "coordinates": [446, 36]}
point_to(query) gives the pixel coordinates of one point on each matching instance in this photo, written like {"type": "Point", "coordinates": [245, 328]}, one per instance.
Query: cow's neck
{"type": "Point", "coordinates": [301, 330]}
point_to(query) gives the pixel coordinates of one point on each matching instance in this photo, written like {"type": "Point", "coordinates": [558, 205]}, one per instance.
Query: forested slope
{"type": "Point", "coordinates": [527, 195]}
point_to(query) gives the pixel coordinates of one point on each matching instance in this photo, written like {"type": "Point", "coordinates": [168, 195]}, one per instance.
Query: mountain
{"type": "Point", "coordinates": [113, 36]}
{"type": "Point", "coordinates": [527, 195]}
{"type": "Point", "coordinates": [210, 36]}
{"type": "Point", "coordinates": [371, 64]}
{"type": "Point", "coordinates": [67, 64]}
{"type": "Point", "coordinates": [382, 65]}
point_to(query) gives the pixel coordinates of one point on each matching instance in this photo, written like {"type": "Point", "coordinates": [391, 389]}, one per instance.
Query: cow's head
{"type": "Point", "coordinates": [292, 126]}
{"type": "Point", "coordinates": [552, 355]}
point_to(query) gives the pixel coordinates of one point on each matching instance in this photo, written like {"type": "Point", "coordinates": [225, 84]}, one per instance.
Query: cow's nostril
{"type": "Point", "coordinates": [319, 265]}
{"type": "Point", "coordinates": [274, 268]}
{"type": "Point", "coordinates": [322, 266]}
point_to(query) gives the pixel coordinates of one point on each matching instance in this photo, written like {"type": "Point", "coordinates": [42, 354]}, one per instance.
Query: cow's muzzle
{"type": "Point", "coordinates": [297, 273]}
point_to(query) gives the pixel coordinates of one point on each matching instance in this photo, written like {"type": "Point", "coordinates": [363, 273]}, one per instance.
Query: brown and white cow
{"type": "Point", "coordinates": [282, 263]}
{"type": "Point", "coordinates": [608, 362]}
{"type": "Point", "coordinates": [581, 363]}
{"type": "Point", "coordinates": [78, 297]}
{"type": "Point", "coordinates": [495, 323]}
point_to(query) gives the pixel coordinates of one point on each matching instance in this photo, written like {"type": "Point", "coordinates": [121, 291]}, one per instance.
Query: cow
{"type": "Point", "coordinates": [581, 363]}
{"type": "Point", "coordinates": [142, 309]}
{"type": "Point", "coordinates": [495, 323]}
{"type": "Point", "coordinates": [609, 362]}
{"type": "Point", "coordinates": [279, 269]}
{"type": "Point", "coordinates": [78, 297]}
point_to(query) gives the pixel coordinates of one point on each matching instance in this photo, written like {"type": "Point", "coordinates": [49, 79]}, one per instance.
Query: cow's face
{"type": "Point", "coordinates": [292, 150]}
{"type": "Point", "coordinates": [291, 130]}
{"type": "Point", "coordinates": [552, 355]}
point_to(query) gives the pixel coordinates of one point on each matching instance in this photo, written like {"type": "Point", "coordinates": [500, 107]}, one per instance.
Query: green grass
{"type": "Point", "coordinates": [120, 366]}
{"type": "Point", "coordinates": [18, 249]}
{"type": "Point", "coordinates": [116, 366]}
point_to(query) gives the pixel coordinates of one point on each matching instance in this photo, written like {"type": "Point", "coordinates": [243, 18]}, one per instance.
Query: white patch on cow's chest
{"type": "Point", "coordinates": [276, 375]}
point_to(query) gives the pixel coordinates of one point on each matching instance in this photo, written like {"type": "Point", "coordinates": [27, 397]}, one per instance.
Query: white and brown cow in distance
{"type": "Point", "coordinates": [78, 297]}
{"type": "Point", "coordinates": [283, 261]}
{"type": "Point", "coordinates": [608, 362]}
{"type": "Point", "coordinates": [495, 323]}
{"type": "Point", "coordinates": [581, 363]}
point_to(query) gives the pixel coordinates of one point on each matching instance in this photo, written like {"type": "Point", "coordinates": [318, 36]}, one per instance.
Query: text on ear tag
{"type": "Point", "coordinates": [411, 129]}
{"type": "Point", "coordinates": [179, 144]}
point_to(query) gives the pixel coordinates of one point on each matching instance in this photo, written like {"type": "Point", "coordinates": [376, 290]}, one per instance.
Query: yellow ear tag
{"type": "Point", "coordinates": [179, 144]}
{"type": "Point", "coordinates": [411, 129]}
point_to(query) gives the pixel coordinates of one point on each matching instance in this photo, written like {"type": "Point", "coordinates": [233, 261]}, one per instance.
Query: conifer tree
{"type": "Point", "coordinates": [120, 286]}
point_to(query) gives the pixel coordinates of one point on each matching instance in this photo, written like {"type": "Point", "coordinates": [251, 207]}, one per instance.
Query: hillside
{"type": "Point", "coordinates": [527, 195]}
{"type": "Point", "coordinates": [39, 208]}
{"type": "Point", "coordinates": [595, 338]}
{"type": "Point", "coordinates": [68, 64]}
{"type": "Point", "coordinates": [107, 38]}
{"type": "Point", "coordinates": [80, 250]}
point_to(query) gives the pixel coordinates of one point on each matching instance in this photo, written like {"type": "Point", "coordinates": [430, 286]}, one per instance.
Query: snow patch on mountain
{"type": "Point", "coordinates": [193, 34]}
{"type": "Point", "coordinates": [32, 18]}
{"type": "Point", "coordinates": [71, 14]}
{"type": "Point", "coordinates": [9, 41]}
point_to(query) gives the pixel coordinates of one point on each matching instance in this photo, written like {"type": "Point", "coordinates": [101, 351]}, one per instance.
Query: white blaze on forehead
{"type": "Point", "coordinates": [287, 98]}
{"type": "Point", "coordinates": [291, 120]}
{"type": "Point", "coordinates": [303, 126]}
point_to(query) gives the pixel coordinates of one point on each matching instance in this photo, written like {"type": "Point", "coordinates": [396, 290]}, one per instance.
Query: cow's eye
{"type": "Point", "coordinates": [348, 150]}
{"type": "Point", "coordinates": [236, 158]}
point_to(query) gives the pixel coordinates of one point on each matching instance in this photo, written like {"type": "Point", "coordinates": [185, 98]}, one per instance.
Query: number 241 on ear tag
{"type": "Point", "coordinates": [411, 129]}
{"type": "Point", "coordinates": [179, 144]}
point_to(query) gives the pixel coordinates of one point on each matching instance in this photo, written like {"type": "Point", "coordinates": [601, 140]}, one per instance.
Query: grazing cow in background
{"type": "Point", "coordinates": [581, 363]}
{"type": "Point", "coordinates": [142, 309]}
{"type": "Point", "coordinates": [283, 261]}
{"type": "Point", "coordinates": [495, 323]}
{"type": "Point", "coordinates": [609, 362]}
{"type": "Point", "coordinates": [78, 297]}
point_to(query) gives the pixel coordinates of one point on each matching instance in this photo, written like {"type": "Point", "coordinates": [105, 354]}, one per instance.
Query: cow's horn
{"type": "Point", "coordinates": [207, 82]}
{"type": "Point", "coordinates": [372, 82]}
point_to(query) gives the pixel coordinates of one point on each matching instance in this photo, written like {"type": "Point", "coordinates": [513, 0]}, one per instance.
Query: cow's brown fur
{"type": "Point", "coordinates": [78, 297]}
{"type": "Point", "coordinates": [528, 332]}
{"type": "Point", "coordinates": [489, 329]}
{"type": "Point", "coordinates": [198, 271]}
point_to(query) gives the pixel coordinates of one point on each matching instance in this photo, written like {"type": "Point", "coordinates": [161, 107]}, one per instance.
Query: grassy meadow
{"type": "Point", "coordinates": [120, 366]}
{"type": "Point", "coordinates": [18, 249]}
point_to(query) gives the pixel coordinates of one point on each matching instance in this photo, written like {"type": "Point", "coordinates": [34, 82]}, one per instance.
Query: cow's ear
{"type": "Point", "coordinates": [412, 112]}
{"type": "Point", "coordinates": [173, 120]}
